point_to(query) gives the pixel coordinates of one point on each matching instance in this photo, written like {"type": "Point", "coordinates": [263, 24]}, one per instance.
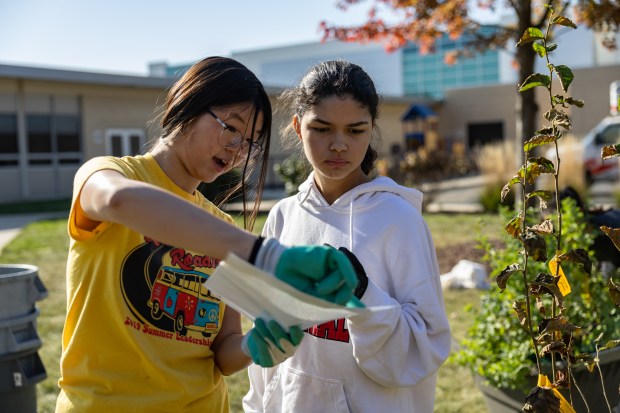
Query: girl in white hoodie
{"type": "Point", "coordinates": [384, 361]}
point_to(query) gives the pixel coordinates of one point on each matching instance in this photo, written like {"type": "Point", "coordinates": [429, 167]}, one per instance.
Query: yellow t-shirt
{"type": "Point", "coordinates": [139, 322]}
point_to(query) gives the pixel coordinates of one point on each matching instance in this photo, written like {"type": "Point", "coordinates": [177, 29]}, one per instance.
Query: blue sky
{"type": "Point", "coordinates": [124, 36]}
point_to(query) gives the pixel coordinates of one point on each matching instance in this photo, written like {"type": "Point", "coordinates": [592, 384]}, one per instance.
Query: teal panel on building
{"type": "Point", "coordinates": [428, 76]}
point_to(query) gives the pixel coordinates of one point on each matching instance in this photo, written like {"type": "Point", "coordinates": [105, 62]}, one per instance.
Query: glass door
{"type": "Point", "coordinates": [124, 142]}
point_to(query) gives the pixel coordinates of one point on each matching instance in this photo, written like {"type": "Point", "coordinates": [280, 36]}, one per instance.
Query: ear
{"type": "Point", "coordinates": [297, 126]}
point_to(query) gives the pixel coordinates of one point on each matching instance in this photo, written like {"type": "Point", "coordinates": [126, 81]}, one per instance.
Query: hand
{"type": "Point", "coordinates": [318, 270]}
{"type": "Point", "coordinates": [268, 344]}
{"type": "Point", "coordinates": [359, 271]}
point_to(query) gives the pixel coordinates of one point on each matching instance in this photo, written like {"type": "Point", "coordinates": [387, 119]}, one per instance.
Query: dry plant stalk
{"type": "Point", "coordinates": [571, 153]}
{"type": "Point", "coordinates": [496, 162]}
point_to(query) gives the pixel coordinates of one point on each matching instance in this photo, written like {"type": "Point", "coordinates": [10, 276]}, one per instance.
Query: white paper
{"type": "Point", "coordinates": [256, 293]}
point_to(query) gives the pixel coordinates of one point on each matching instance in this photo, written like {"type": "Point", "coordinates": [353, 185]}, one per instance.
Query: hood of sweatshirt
{"type": "Point", "coordinates": [310, 195]}
{"type": "Point", "coordinates": [362, 197]}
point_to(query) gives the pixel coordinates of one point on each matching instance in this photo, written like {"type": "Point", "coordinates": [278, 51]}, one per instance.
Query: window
{"type": "Point", "coordinates": [430, 71]}
{"type": "Point", "coordinates": [483, 133]}
{"type": "Point", "coordinates": [450, 69]}
{"type": "Point", "coordinates": [609, 136]}
{"type": "Point", "coordinates": [39, 133]}
{"type": "Point", "coordinates": [489, 58]}
{"type": "Point", "coordinates": [8, 134]}
{"type": "Point", "coordinates": [9, 145]}
{"type": "Point", "coordinates": [470, 78]}
{"type": "Point", "coordinates": [490, 73]}
{"type": "Point", "coordinates": [53, 138]}
{"type": "Point", "coordinates": [68, 133]}
{"type": "Point", "coordinates": [469, 64]}
{"type": "Point", "coordinates": [53, 130]}
{"type": "Point", "coordinates": [124, 142]}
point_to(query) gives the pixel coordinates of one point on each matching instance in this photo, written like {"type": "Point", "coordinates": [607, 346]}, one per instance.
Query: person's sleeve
{"type": "Point", "coordinates": [408, 342]}
{"type": "Point", "coordinates": [76, 231]}
{"type": "Point", "coordinates": [253, 400]}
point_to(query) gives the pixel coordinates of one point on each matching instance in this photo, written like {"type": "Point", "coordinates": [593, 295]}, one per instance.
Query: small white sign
{"type": "Point", "coordinates": [17, 379]}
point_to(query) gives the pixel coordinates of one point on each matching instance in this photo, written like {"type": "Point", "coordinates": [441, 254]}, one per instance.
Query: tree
{"type": "Point", "coordinates": [423, 21]}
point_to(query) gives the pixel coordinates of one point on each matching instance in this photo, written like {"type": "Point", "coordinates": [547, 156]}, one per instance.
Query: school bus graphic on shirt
{"type": "Point", "coordinates": [180, 295]}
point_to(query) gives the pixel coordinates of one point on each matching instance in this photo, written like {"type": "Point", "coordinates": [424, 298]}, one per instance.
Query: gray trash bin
{"type": "Point", "coordinates": [19, 333]}
{"type": "Point", "coordinates": [20, 289]}
{"type": "Point", "coordinates": [19, 373]}
{"type": "Point", "coordinates": [20, 365]}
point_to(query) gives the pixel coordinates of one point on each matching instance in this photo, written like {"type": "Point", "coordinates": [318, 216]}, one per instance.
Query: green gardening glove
{"type": "Point", "coordinates": [318, 270]}
{"type": "Point", "coordinates": [268, 344]}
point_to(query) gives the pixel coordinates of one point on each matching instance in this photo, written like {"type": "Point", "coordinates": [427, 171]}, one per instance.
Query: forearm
{"type": "Point", "coordinates": [229, 357]}
{"type": "Point", "coordinates": [165, 217]}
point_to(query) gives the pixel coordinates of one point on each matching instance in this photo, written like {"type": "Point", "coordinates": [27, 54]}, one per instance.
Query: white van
{"type": "Point", "coordinates": [607, 132]}
{"type": "Point", "coordinates": [588, 149]}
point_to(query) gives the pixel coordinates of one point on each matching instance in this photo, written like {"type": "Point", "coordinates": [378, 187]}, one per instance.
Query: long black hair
{"type": "Point", "coordinates": [218, 82]}
{"type": "Point", "coordinates": [339, 78]}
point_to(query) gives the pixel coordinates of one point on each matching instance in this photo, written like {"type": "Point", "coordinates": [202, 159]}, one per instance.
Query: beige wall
{"type": "Point", "coordinates": [391, 126]}
{"type": "Point", "coordinates": [497, 103]}
{"type": "Point", "coordinates": [592, 86]}
{"type": "Point", "coordinates": [101, 107]}
{"type": "Point", "coordinates": [127, 110]}
{"type": "Point", "coordinates": [476, 105]}
{"type": "Point", "coordinates": [8, 85]}
{"type": "Point", "coordinates": [107, 107]}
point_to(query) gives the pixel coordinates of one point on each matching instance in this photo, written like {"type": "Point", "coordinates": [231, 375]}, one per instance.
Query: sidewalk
{"type": "Point", "coordinates": [453, 196]}
{"type": "Point", "coordinates": [456, 195]}
{"type": "Point", "coordinates": [11, 225]}
{"type": "Point", "coordinates": [461, 195]}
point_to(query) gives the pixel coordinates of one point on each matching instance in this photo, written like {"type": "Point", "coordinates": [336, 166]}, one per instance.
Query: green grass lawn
{"type": "Point", "coordinates": [45, 244]}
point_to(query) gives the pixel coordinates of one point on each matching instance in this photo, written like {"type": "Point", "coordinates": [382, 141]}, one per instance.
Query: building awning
{"type": "Point", "coordinates": [418, 111]}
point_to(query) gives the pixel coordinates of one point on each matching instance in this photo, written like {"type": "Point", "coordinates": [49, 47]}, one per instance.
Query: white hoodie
{"type": "Point", "coordinates": [384, 362]}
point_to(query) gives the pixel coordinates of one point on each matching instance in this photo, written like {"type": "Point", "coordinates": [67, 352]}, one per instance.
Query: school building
{"type": "Point", "coordinates": [51, 121]}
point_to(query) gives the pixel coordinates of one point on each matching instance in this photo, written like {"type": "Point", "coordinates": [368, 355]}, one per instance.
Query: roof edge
{"type": "Point", "coordinates": [71, 76]}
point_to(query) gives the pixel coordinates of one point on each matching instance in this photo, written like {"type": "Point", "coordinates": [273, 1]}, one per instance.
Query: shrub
{"type": "Point", "coordinates": [497, 347]}
{"type": "Point", "coordinates": [554, 321]}
{"type": "Point", "coordinates": [293, 171]}
{"type": "Point", "coordinates": [490, 198]}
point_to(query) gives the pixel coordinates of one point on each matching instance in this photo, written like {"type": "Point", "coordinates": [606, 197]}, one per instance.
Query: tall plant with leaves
{"type": "Point", "coordinates": [609, 152]}
{"type": "Point", "coordinates": [497, 347]}
{"type": "Point", "coordinates": [550, 332]}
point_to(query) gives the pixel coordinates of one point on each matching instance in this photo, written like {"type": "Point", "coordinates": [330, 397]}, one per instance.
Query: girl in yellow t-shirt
{"type": "Point", "coordinates": [142, 333]}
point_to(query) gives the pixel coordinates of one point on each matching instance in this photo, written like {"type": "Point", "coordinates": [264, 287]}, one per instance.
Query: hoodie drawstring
{"type": "Point", "coordinates": [351, 219]}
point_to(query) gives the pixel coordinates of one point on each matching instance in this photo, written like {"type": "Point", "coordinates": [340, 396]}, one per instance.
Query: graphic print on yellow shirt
{"type": "Point", "coordinates": [139, 322]}
{"type": "Point", "coordinates": [172, 297]}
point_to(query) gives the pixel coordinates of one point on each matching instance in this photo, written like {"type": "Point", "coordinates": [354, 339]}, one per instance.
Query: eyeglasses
{"type": "Point", "coordinates": [231, 138]}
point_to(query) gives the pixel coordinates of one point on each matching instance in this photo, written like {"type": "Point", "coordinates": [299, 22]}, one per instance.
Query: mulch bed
{"type": "Point", "coordinates": [448, 257]}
